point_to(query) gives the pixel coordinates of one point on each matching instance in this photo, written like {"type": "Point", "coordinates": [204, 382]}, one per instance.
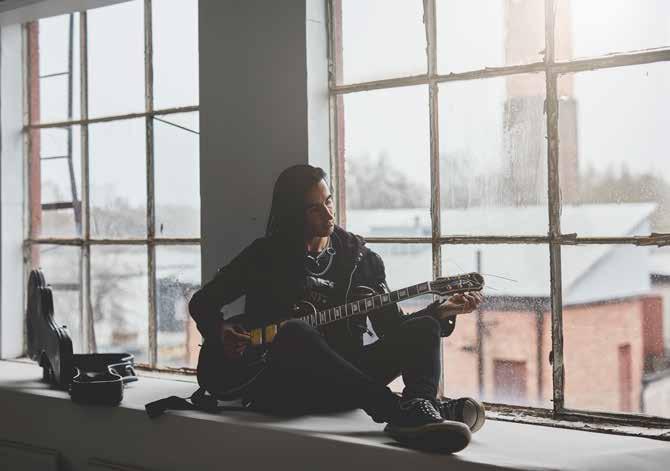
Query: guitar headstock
{"type": "Point", "coordinates": [448, 285]}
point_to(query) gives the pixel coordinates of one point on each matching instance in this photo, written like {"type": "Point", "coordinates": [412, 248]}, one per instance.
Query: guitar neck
{"type": "Point", "coordinates": [366, 305]}
{"type": "Point", "coordinates": [443, 286]}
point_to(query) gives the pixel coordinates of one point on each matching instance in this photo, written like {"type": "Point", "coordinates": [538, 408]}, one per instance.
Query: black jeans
{"type": "Point", "coordinates": [305, 375]}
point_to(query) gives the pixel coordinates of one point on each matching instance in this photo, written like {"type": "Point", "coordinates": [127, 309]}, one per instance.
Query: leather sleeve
{"type": "Point", "coordinates": [374, 275]}
{"type": "Point", "coordinates": [229, 283]}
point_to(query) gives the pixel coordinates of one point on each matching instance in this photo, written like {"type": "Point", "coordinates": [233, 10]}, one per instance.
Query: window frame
{"type": "Point", "coordinates": [555, 239]}
{"type": "Point", "coordinates": [85, 241]}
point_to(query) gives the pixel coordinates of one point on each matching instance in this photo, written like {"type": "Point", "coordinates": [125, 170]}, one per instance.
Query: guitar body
{"type": "Point", "coordinates": [226, 378]}
{"type": "Point", "coordinates": [229, 379]}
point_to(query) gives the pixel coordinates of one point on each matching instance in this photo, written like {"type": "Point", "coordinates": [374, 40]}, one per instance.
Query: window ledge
{"type": "Point", "coordinates": [195, 440]}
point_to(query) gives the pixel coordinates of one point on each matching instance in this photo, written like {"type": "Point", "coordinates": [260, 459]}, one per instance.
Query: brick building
{"type": "Point", "coordinates": [613, 323]}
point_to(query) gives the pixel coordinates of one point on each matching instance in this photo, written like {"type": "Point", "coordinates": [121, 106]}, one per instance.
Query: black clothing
{"type": "Point", "coordinates": [273, 282]}
{"type": "Point", "coordinates": [310, 373]}
{"type": "Point", "coordinates": [306, 375]}
{"type": "Point", "coordinates": [320, 281]}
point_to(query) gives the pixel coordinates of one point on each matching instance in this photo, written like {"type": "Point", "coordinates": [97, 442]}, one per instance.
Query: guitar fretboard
{"type": "Point", "coordinates": [365, 305]}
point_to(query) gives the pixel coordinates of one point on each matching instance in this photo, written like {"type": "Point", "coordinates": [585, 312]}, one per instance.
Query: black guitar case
{"type": "Point", "coordinates": [96, 378]}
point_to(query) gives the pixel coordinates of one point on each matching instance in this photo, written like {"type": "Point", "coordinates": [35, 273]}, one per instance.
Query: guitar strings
{"type": "Point", "coordinates": [488, 286]}
{"type": "Point", "coordinates": [498, 276]}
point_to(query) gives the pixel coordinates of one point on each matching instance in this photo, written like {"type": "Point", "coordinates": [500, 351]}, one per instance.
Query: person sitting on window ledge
{"type": "Point", "coordinates": [305, 256]}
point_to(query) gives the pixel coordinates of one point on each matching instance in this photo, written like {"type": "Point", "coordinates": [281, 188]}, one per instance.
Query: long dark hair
{"type": "Point", "coordinates": [287, 214]}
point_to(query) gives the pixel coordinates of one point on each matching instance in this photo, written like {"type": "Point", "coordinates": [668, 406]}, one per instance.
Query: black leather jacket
{"type": "Point", "coordinates": [272, 284]}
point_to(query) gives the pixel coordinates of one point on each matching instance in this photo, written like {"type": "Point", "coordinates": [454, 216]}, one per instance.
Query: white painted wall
{"type": "Point", "coordinates": [11, 192]}
{"type": "Point", "coordinates": [656, 397]}
{"type": "Point", "coordinates": [318, 111]}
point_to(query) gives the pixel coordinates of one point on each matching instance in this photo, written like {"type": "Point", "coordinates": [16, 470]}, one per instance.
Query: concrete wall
{"type": "Point", "coordinates": [11, 193]}
{"type": "Point", "coordinates": [656, 397]}
{"type": "Point", "coordinates": [254, 113]}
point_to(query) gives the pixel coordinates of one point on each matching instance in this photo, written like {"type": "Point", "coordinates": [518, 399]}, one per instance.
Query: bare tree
{"type": "Point", "coordinates": [376, 184]}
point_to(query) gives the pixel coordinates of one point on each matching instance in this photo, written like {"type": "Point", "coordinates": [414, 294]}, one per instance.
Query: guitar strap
{"type": "Point", "coordinates": [201, 400]}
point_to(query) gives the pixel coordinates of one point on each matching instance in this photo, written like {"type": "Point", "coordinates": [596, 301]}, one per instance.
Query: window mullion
{"type": "Point", "coordinates": [151, 229]}
{"type": "Point", "coordinates": [554, 208]}
{"type": "Point", "coordinates": [118, 117]}
{"type": "Point", "coordinates": [435, 213]}
{"type": "Point", "coordinates": [31, 147]}
{"type": "Point", "coordinates": [334, 25]}
{"type": "Point", "coordinates": [435, 210]}
{"type": "Point", "coordinates": [85, 304]}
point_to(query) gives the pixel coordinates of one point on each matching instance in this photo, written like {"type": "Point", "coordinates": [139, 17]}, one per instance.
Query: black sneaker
{"type": "Point", "coordinates": [465, 409]}
{"type": "Point", "coordinates": [419, 425]}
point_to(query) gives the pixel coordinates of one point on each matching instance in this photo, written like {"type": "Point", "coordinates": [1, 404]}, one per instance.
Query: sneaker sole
{"type": "Point", "coordinates": [445, 437]}
{"type": "Point", "coordinates": [476, 410]}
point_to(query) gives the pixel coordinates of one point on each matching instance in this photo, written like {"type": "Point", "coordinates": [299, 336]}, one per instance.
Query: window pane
{"type": "Point", "coordinates": [382, 39]}
{"type": "Point", "coordinates": [58, 182]}
{"type": "Point", "coordinates": [177, 170]}
{"type": "Point", "coordinates": [587, 28]}
{"type": "Point", "coordinates": [61, 267]}
{"type": "Point", "coordinates": [53, 52]}
{"type": "Point", "coordinates": [515, 328]}
{"type": "Point", "coordinates": [175, 55]}
{"type": "Point", "coordinates": [119, 299]}
{"type": "Point", "coordinates": [118, 179]}
{"type": "Point", "coordinates": [618, 171]}
{"type": "Point", "coordinates": [406, 265]}
{"type": "Point", "coordinates": [116, 61]}
{"type": "Point", "coordinates": [493, 164]}
{"type": "Point", "coordinates": [472, 35]}
{"type": "Point", "coordinates": [387, 158]}
{"type": "Point", "coordinates": [613, 308]}
{"type": "Point", "coordinates": [177, 278]}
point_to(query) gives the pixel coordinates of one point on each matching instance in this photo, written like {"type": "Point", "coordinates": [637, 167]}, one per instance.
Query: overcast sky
{"type": "Point", "coordinates": [622, 113]}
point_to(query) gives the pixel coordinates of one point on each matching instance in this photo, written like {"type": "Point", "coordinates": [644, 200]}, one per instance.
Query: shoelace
{"type": "Point", "coordinates": [448, 408]}
{"type": "Point", "coordinates": [425, 405]}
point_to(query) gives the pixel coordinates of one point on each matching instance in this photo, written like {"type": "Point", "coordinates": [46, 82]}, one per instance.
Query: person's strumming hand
{"type": "Point", "coordinates": [235, 340]}
{"type": "Point", "coordinates": [461, 303]}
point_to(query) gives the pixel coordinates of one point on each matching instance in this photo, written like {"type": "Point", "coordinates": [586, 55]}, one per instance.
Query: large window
{"type": "Point", "coordinates": [113, 171]}
{"type": "Point", "coordinates": [526, 140]}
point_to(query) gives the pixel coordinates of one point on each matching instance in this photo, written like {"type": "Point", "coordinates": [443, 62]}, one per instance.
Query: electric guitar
{"type": "Point", "coordinates": [229, 378]}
